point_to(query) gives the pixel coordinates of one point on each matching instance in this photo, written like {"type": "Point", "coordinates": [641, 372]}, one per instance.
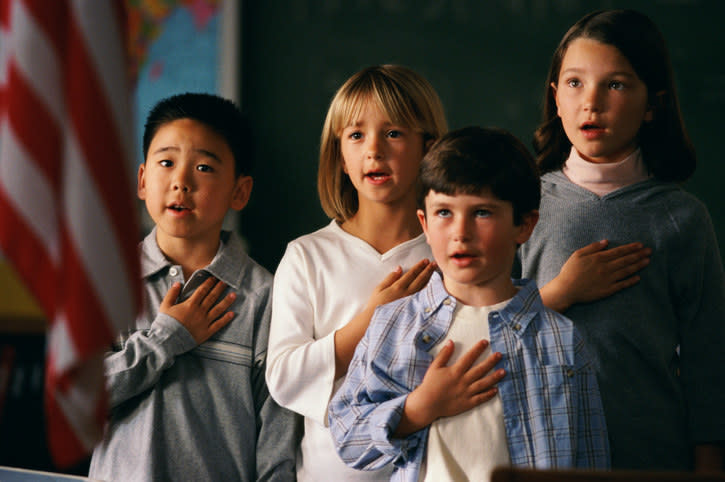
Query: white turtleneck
{"type": "Point", "coordinates": [603, 178]}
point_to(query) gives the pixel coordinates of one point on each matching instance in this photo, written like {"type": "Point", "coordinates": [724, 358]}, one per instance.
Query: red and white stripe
{"type": "Point", "coordinates": [67, 216]}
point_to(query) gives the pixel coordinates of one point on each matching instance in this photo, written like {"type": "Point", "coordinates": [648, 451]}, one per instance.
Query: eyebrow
{"type": "Point", "coordinates": [203, 152]}
{"type": "Point", "coordinates": [575, 70]}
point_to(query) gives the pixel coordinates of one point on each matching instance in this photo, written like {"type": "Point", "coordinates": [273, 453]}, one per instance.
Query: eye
{"type": "Point", "coordinates": [204, 168]}
{"type": "Point", "coordinates": [443, 213]}
{"type": "Point", "coordinates": [573, 83]}
{"type": "Point", "coordinates": [356, 135]}
{"type": "Point", "coordinates": [482, 213]}
{"type": "Point", "coordinates": [394, 134]}
{"type": "Point", "coordinates": [616, 85]}
{"type": "Point", "coordinates": [166, 163]}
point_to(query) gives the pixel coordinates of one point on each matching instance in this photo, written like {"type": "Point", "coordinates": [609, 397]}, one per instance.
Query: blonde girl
{"type": "Point", "coordinates": [328, 283]}
{"type": "Point", "coordinates": [613, 149]}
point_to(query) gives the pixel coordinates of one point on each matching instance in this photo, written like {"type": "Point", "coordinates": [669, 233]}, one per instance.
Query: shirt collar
{"type": "Point", "coordinates": [224, 266]}
{"type": "Point", "coordinates": [520, 310]}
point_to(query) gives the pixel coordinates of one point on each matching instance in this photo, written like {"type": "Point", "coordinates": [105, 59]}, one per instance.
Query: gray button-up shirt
{"type": "Point", "coordinates": [187, 412]}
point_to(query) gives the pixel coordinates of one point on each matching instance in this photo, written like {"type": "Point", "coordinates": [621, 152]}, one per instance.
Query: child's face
{"type": "Point", "coordinates": [601, 101]}
{"type": "Point", "coordinates": [474, 241]}
{"type": "Point", "coordinates": [188, 182]}
{"type": "Point", "coordinates": [380, 158]}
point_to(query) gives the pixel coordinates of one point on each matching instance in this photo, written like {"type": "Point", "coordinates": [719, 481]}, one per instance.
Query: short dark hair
{"type": "Point", "coordinates": [473, 159]}
{"type": "Point", "coordinates": [218, 114]}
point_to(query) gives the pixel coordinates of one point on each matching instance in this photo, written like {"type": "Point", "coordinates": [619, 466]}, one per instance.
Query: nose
{"type": "Point", "coordinates": [594, 99]}
{"type": "Point", "coordinates": [373, 147]}
{"type": "Point", "coordinates": [181, 180]}
{"type": "Point", "coordinates": [461, 229]}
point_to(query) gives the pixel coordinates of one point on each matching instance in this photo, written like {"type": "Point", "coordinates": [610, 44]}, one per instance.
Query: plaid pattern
{"type": "Point", "coordinates": [552, 408]}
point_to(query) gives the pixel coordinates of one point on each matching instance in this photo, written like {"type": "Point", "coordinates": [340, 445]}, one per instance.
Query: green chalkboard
{"type": "Point", "coordinates": [487, 59]}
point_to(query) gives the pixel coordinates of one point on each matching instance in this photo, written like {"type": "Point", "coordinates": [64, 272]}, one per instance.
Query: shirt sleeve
{"type": "Point", "coordinates": [365, 412]}
{"type": "Point", "coordinates": [699, 300]}
{"type": "Point", "coordinates": [300, 368]}
{"type": "Point", "coordinates": [592, 450]}
{"type": "Point", "coordinates": [278, 430]}
{"type": "Point", "coordinates": [144, 356]}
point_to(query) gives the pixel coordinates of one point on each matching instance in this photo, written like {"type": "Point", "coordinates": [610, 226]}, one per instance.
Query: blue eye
{"type": "Point", "coordinates": [443, 213]}
{"type": "Point", "coordinates": [616, 85]}
{"type": "Point", "coordinates": [482, 213]}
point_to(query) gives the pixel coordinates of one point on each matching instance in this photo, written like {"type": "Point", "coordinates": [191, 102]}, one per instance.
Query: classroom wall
{"type": "Point", "coordinates": [487, 59]}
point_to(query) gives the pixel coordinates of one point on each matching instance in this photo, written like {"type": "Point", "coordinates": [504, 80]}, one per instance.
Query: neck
{"type": "Point", "coordinates": [191, 255]}
{"type": "Point", "coordinates": [383, 226]}
{"type": "Point", "coordinates": [476, 295]}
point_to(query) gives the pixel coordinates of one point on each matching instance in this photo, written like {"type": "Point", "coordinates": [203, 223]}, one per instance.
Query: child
{"type": "Point", "coordinates": [187, 389]}
{"type": "Point", "coordinates": [379, 125]}
{"type": "Point", "coordinates": [403, 402]}
{"type": "Point", "coordinates": [612, 147]}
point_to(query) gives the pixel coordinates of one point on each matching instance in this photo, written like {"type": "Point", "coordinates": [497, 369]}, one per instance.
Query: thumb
{"type": "Point", "coordinates": [171, 296]}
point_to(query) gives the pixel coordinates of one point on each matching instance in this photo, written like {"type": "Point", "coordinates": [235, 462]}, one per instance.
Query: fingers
{"type": "Point", "coordinates": [468, 358]}
{"type": "Point", "coordinates": [627, 253]}
{"type": "Point", "coordinates": [592, 248]}
{"type": "Point", "coordinates": [171, 296]}
{"type": "Point", "coordinates": [441, 359]}
{"type": "Point", "coordinates": [417, 276]}
{"type": "Point", "coordinates": [221, 307]}
{"type": "Point", "coordinates": [391, 278]}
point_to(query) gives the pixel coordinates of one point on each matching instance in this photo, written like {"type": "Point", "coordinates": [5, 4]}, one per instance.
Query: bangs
{"type": "Point", "coordinates": [383, 94]}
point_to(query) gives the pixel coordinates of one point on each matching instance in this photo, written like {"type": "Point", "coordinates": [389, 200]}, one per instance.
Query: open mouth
{"type": "Point", "coordinates": [461, 255]}
{"type": "Point", "coordinates": [590, 127]}
{"type": "Point", "coordinates": [178, 207]}
{"type": "Point", "coordinates": [377, 175]}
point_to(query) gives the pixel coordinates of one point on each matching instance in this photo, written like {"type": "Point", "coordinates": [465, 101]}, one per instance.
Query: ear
{"type": "Point", "coordinates": [242, 191]}
{"type": "Point", "coordinates": [554, 93]}
{"type": "Point", "coordinates": [423, 222]}
{"type": "Point", "coordinates": [528, 223]}
{"type": "Point", "coordinates": [141, 182]}
{"type": "Point", "coordinates": [655, 106]}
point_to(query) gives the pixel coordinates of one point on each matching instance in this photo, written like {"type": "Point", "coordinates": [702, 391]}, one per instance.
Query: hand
{"type": "Point", "coordinates": [397, 285]}
{"type": "Point", "coordinates": [594, 272]}
{"type": "Point", "coordinates": [451, 390]}
{"type": "Point", "coordinates": [202, 314]}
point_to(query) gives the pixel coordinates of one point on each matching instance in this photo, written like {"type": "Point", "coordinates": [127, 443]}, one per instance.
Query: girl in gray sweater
{"type": "Point", "coordinates": [612, 149]}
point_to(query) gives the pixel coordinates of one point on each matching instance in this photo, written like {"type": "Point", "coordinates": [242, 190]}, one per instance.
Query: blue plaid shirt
{"type": "Point", "coordinates": [551, 404]}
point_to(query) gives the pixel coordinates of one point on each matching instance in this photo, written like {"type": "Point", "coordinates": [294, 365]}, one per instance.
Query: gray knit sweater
{"type": "Point", "coordinates": [657, 404]}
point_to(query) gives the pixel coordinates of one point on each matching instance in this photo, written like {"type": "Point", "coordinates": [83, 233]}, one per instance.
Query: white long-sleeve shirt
{"type": "Point", "coordinates": [323, 281]}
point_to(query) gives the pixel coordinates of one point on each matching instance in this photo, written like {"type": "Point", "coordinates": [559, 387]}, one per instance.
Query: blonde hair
{"type": "Point", "coordinates": [403, 95]}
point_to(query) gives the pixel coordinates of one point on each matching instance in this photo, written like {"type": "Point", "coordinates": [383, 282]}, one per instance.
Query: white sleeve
{"type": "Point", "coordinates": [300, 369]}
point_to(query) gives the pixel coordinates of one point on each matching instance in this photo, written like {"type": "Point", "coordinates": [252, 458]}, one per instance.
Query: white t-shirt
{"type": "Point", "coordinates": [470, 445]}
{"type": "Point", "coordinates": [323, 280]}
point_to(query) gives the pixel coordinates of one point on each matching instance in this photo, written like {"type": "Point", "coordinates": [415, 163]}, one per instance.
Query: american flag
{"type": "Point", "coordinates": [68, 222]}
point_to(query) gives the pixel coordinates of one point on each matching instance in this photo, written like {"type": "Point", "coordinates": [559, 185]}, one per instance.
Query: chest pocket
{"type": "Point", "coordinates": [226, 352]}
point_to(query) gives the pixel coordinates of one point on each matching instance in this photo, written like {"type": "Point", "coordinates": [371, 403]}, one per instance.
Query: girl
{"type": "Point", "coordinates": [379, 125]}
{"type": "Point", "coordinates": [612, 148]}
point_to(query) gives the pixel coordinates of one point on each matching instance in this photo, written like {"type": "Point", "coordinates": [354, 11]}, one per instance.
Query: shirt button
{"type": "Point", "coordinates": [517, 327]}
{"type": "Point", "coordinates": [427, 310]}
{"type": "Point", "coordinates": [173, 271]}
{"type": "Point", "coordinates": [426, 339]}
{"type": "Point", "coordinates": [447, 301]}
{"type": "Point", "coordinates": [570, 373]}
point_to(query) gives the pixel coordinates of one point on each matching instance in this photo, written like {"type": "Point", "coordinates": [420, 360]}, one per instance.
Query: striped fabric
{"type": "Point", "coordinates": [67, 216]}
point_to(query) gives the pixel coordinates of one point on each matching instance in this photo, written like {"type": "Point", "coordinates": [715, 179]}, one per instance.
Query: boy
{"type": "Point", "coordinates": [187, 391]}
{"type": "Point", "coordinates": [401, 403]}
